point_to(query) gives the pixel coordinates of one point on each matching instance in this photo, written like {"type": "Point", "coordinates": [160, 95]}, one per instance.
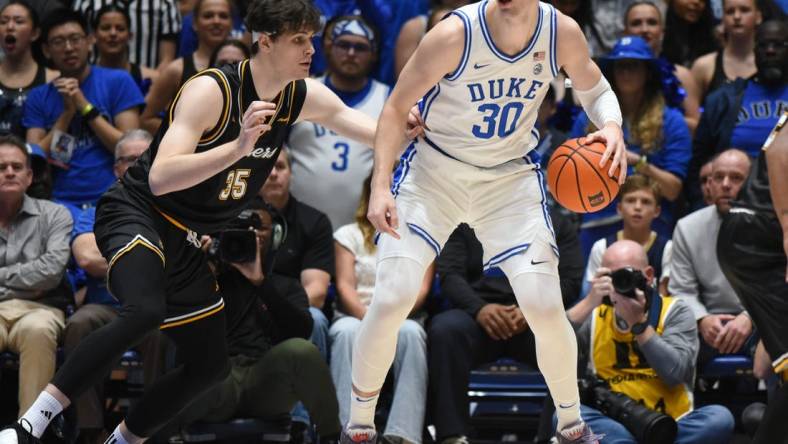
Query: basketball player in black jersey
{"type": "Point", "coordinates": [752, 248]}
{"type": "Point", "coordinates": [214, 151]}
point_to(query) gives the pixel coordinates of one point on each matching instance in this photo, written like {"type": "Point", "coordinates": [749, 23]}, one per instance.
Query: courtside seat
{"type": "Point", "coordinates": [728, 366]}
{"type": "Point", "coordinates": [238, 431]}
{"type": "Point", "coordinates": [506, 394]}
{"type": "Point", "coordinates": [506, 379]}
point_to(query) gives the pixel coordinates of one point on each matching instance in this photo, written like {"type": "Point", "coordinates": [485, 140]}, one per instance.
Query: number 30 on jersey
{"type": "Point", "coordinates": [236, 184]}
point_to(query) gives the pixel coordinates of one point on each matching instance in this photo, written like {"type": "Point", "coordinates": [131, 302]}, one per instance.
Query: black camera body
{"type": "Point", "coordinates": [237, 243]}
{"type": "Point", "coordinates": [646, 425]}
{"type": "Point", "coordinates": [626, 280]}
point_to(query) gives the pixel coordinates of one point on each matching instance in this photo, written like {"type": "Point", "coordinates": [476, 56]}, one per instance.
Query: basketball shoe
{"type": "Point", "coordinates": [357, 435]}
{"type": "Point", "coordinates": [17, 434]}
{"type": "Point", "coordinates": [578, 433]}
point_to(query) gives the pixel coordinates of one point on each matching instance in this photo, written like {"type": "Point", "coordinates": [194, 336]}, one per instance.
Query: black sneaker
{"type": "Point", "coordinates": [18, 434]}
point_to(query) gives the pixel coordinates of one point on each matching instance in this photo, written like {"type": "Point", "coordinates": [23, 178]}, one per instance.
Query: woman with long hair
{"type": "Point", "coordinates": [658, 140]}
{"type": "Point", "coordinates": [354, 246]}
{"type": "Point", "coordinates": [19, 71]}
{"type": "Point", "coordinates": [111, 28]}
{"type": "Point", "coordinates": [643, 18]}
{"type": "Point", "coordinates": [212, 22]}
{"type": "Point", "coordinates": [740, 18]}
{"type": "Point", "coordinates": [689, 31]}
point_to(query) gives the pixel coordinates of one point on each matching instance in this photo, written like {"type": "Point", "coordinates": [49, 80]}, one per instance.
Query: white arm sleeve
{"type": "Point", "coordinates": [600, 103]}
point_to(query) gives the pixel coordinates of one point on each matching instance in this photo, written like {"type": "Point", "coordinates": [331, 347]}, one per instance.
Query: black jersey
{"type": "Point", "coordinates": [209, 205]}
{"type": "Point", "coordinates": [755, 193]}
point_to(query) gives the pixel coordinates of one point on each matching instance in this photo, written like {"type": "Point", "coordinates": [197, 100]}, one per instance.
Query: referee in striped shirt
{"type": "Point", "coordinates": [155, 25]}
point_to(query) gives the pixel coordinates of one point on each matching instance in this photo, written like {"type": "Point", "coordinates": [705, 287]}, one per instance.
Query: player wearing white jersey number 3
{"type": "Point", "coordinates": [481, 73]}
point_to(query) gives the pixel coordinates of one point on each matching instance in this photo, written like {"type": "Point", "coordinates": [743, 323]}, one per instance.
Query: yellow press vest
{"type": "Point", "coordinates": [617, 359]}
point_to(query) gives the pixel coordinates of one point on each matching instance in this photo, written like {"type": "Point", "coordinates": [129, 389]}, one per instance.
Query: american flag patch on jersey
{"type": "Point", "coordinates": [539, 56]}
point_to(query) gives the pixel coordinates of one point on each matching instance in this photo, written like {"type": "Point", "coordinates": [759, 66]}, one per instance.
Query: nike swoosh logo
{"type": "Point", "coordinates": [537, 263]}
{"type": "Point", "coordinates": [478, 66]}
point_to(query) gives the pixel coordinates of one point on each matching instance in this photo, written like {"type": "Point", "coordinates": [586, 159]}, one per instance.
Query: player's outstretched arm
{"type": "Point", "coordinates": [176, 166]}
{"type": "Point", "coordinates": [776, 165]}
{"type": "Point", "coordinates": [597, 97]}
{"type": "Point", "coordinates": [437, 55]}
{"type": "Point", "coordinates": [322, 106]}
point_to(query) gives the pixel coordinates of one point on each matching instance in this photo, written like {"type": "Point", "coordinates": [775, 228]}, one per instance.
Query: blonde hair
{"type": "Point", "coordinates": [367, 230]}
{"type": "Point", "coordinates": [645, 129]}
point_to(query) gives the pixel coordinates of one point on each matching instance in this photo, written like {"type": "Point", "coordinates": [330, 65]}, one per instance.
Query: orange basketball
{"type": "Point", "coordinates": [575, 179]}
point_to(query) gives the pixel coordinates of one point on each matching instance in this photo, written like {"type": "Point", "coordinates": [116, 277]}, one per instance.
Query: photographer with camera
{"type": "Point", "coordinates": [273, 365]}
{"type": "Point", "coordinates": [641, 349]}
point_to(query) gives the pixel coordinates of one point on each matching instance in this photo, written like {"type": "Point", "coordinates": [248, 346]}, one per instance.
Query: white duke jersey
{"type": "Point", "coordinates": [329, 169]}
{"type": "Point", "coordinates": [483, 113]}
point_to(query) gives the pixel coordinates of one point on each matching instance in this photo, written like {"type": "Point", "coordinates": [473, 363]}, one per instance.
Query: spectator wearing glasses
{"type": "Point", "coordinates": [79, 117]}
{"type": "Point", "coordinates": [317, 155]}
{"type": "Point", "coordinates": [97, 307]}
{"type": "Point", "coordinates": [19, 70]}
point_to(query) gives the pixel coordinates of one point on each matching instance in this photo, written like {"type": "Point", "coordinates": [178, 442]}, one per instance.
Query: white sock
{"type": "Point", "coordinates": [568, 414]}
{"type": "Point", "coordinates": [116, 437]}
{"type": "Point", "coordinates": [362, 410]}
{"type": "Point", "coordinates": [37, 418]}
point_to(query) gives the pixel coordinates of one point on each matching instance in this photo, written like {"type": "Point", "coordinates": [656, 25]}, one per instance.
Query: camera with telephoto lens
{"type": "Point", "coordinates": [237, 243]}
{"type": "Point", "coordinates": [646, 425]}
{"type": "Point", "coordinates": [626, 280]}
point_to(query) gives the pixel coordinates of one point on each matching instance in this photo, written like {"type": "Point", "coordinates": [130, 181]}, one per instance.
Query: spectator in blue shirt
{"type": "Point", "coordinates": [80, 116]}
{"type": "Point", "coordinates": [378, 12]}
{"type": "Point", "coordinates": [658, 140]}
{"type": "Point", "coordinates": [742, 114]}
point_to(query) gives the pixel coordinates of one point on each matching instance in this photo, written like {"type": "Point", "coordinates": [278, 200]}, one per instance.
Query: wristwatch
{"type": "Point", "coordinates": [639, 328]}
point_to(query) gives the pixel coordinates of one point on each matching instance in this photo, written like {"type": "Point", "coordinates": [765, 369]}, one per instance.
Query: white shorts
{"type": "Point", "coordinates": [505, 205]}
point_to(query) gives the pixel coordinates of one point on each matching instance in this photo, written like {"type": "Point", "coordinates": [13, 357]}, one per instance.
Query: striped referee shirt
{"type": "Point", "coordinates": [150, 21]}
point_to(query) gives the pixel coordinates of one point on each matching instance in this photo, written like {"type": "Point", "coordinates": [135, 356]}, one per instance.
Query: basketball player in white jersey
{"type": "Point", "coordinates": [482, 73]}
{"type": "Point", "coordinates": [321, 156]}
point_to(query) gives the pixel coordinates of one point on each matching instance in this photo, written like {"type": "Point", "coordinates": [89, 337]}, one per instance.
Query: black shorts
{"type": "Point", "coordinates": [751, 255]}
{"type": "Point", "coordinates": [125, 222]}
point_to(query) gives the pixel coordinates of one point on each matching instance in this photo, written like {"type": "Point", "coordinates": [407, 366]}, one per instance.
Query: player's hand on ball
{"type": "Point", "coordinates": [255, 123]}
{"type": "Point", "coordinates": [613, 138]}
{"type": "Point", "coordinates": [382, 212]}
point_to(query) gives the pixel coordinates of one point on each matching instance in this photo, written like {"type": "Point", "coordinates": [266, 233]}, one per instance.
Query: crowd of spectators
{"type": "Point", "coordinates": [84, 87]}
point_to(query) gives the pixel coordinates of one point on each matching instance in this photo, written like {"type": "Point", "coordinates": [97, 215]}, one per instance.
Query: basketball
{"type": "Point", "coordinates": [575, 178]}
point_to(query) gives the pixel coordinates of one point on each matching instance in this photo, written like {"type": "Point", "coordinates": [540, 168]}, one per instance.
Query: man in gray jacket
{"type": "Point", "coordinates": [645, 351]}
{"type": "Point", "coordinates": [34, 249]}
{"type": "Point", "coordinates": [696, 277]}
